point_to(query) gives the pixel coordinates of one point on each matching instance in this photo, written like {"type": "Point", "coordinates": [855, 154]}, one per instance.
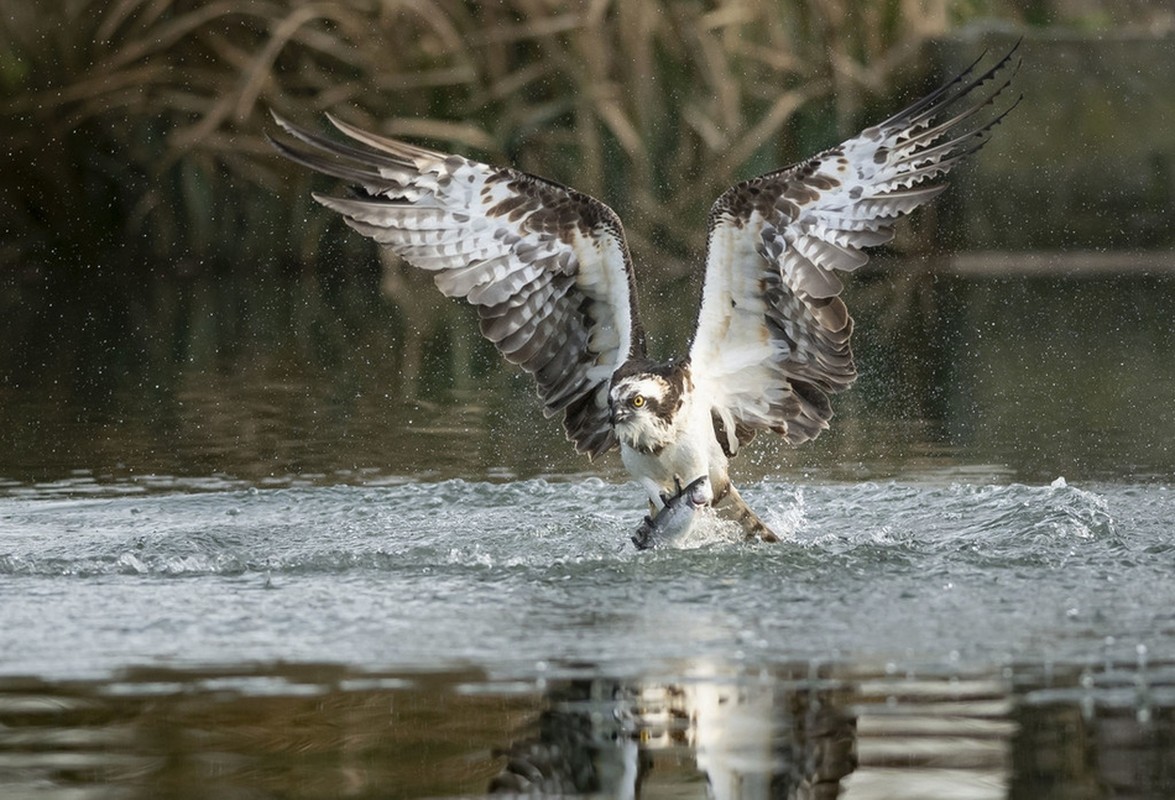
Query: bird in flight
{"type": "Point", "coordinates": [548, 270]}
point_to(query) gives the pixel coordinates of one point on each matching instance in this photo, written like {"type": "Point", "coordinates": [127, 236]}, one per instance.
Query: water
{"type": "Point", "coordinates": [294, 555]}
{"type": "Point", "coordinates": [946, 632]}
{"type": "Point", "coordinates": [511, 575]}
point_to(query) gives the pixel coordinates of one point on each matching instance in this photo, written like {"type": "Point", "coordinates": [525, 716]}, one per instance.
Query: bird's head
{"type": "Point", "coordinates": [643, 408]}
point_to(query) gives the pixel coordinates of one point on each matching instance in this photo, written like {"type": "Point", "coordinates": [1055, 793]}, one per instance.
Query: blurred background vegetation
{"type": "Point", "coordinates": [136, 128]}
{"type": "Point", "coordinates": [151, 237]}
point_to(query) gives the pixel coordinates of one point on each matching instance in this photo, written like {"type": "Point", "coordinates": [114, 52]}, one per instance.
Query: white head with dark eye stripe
{"type": "Point", "coordinates": [643, 407]}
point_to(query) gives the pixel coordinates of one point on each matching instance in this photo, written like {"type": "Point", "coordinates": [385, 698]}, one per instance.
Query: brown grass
{"type": "Point", "coordinates": [149, 114]}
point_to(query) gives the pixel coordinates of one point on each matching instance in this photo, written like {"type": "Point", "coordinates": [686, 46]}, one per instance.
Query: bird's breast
{"type": "Point", "coordinates": [691, 453]}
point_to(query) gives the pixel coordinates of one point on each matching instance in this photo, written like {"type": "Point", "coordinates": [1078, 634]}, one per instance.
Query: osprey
{"type": "Point", "coordinates": [549, 272]}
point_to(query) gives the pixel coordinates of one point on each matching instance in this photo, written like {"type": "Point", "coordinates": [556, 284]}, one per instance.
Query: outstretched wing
{"type": "Point", "coordinates": [547, 267]}
{"type": "Point", "coordinates": [773, 334]}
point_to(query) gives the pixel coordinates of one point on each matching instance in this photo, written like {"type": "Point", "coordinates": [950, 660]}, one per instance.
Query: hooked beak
{"type": "Point", "coordinates": [618, 415]}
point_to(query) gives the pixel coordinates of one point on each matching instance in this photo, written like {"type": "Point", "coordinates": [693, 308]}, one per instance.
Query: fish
{"type": "Point", "coordinates": [676, 515]}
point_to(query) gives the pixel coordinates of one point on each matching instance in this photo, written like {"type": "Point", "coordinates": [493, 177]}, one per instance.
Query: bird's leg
{"type": "Point", "coordinates": [666, 497]}
{"type": "Point", "coordinates": [653, 490]}
{"type": "Point", "coordinates": [730, 505]}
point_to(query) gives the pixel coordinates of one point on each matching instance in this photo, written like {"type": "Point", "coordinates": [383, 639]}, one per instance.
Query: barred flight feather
{"type": "Point", "coordinates": [546, 266]}
{"type": "Point", "coordinates": [809, 221]}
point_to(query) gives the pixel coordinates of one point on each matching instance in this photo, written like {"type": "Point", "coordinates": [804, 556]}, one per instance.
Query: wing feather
{"type": "Point", "coordinates": [547, 267]}
{"type": "Point", "coordinates": [773, 335]}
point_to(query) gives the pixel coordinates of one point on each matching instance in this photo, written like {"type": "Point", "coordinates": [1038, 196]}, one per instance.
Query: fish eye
{"type": "Point", "coordinates": [637, 401]}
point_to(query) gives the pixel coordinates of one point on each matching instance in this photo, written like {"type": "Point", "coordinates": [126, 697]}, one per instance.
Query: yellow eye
{"type": "Point", "coordinates": [637, 401]}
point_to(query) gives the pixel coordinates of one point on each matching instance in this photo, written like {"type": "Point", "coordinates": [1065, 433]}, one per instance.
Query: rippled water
{"type": "Point", "coordinates": [928, 638]}
{"type": "Point", "coordinates": [511, 574]}
{"type": "Point", "coordinates": [233, 568]}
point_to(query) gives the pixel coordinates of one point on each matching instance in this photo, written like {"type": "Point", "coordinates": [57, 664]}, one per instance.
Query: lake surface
{"type": "Point", "coordinates": [259, 561]}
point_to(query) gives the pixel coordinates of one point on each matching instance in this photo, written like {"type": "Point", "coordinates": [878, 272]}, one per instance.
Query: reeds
{"type": "Point", "coordinates": [136, 126]}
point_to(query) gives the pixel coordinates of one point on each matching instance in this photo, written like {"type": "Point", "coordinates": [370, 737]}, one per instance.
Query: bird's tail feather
{"type": "Point", "coordinates": [730, 505]}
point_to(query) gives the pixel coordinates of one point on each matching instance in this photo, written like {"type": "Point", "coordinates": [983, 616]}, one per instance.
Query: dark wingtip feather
{"type": "Point", "coordinates": [956, 89]}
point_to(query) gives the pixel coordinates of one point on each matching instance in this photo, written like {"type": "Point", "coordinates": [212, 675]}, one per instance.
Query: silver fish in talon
{"type": "Point", "coordinates": [676, 516]}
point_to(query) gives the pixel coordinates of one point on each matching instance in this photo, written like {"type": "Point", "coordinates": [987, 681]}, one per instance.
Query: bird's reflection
{"type": "Point", "coordinates": [704, 731]}
{"type": "Point", "coordinates": [723, 739]}
{"type": "Point", "coordinates": [582, 743]}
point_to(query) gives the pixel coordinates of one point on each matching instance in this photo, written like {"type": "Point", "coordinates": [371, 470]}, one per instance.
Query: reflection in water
{"type": "Point", "coordinates": [708, 738]}
{"type": "Point", "coordinates": [933, 738]}
{"type": "Point", "coordinates": [1041, 377]}
{"type": "Point", "coordinates": [582, 742]}
{"type": "Point", "coordinates": [808, 732]}
{"type": "Point", "coordinates": [759, 738]}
